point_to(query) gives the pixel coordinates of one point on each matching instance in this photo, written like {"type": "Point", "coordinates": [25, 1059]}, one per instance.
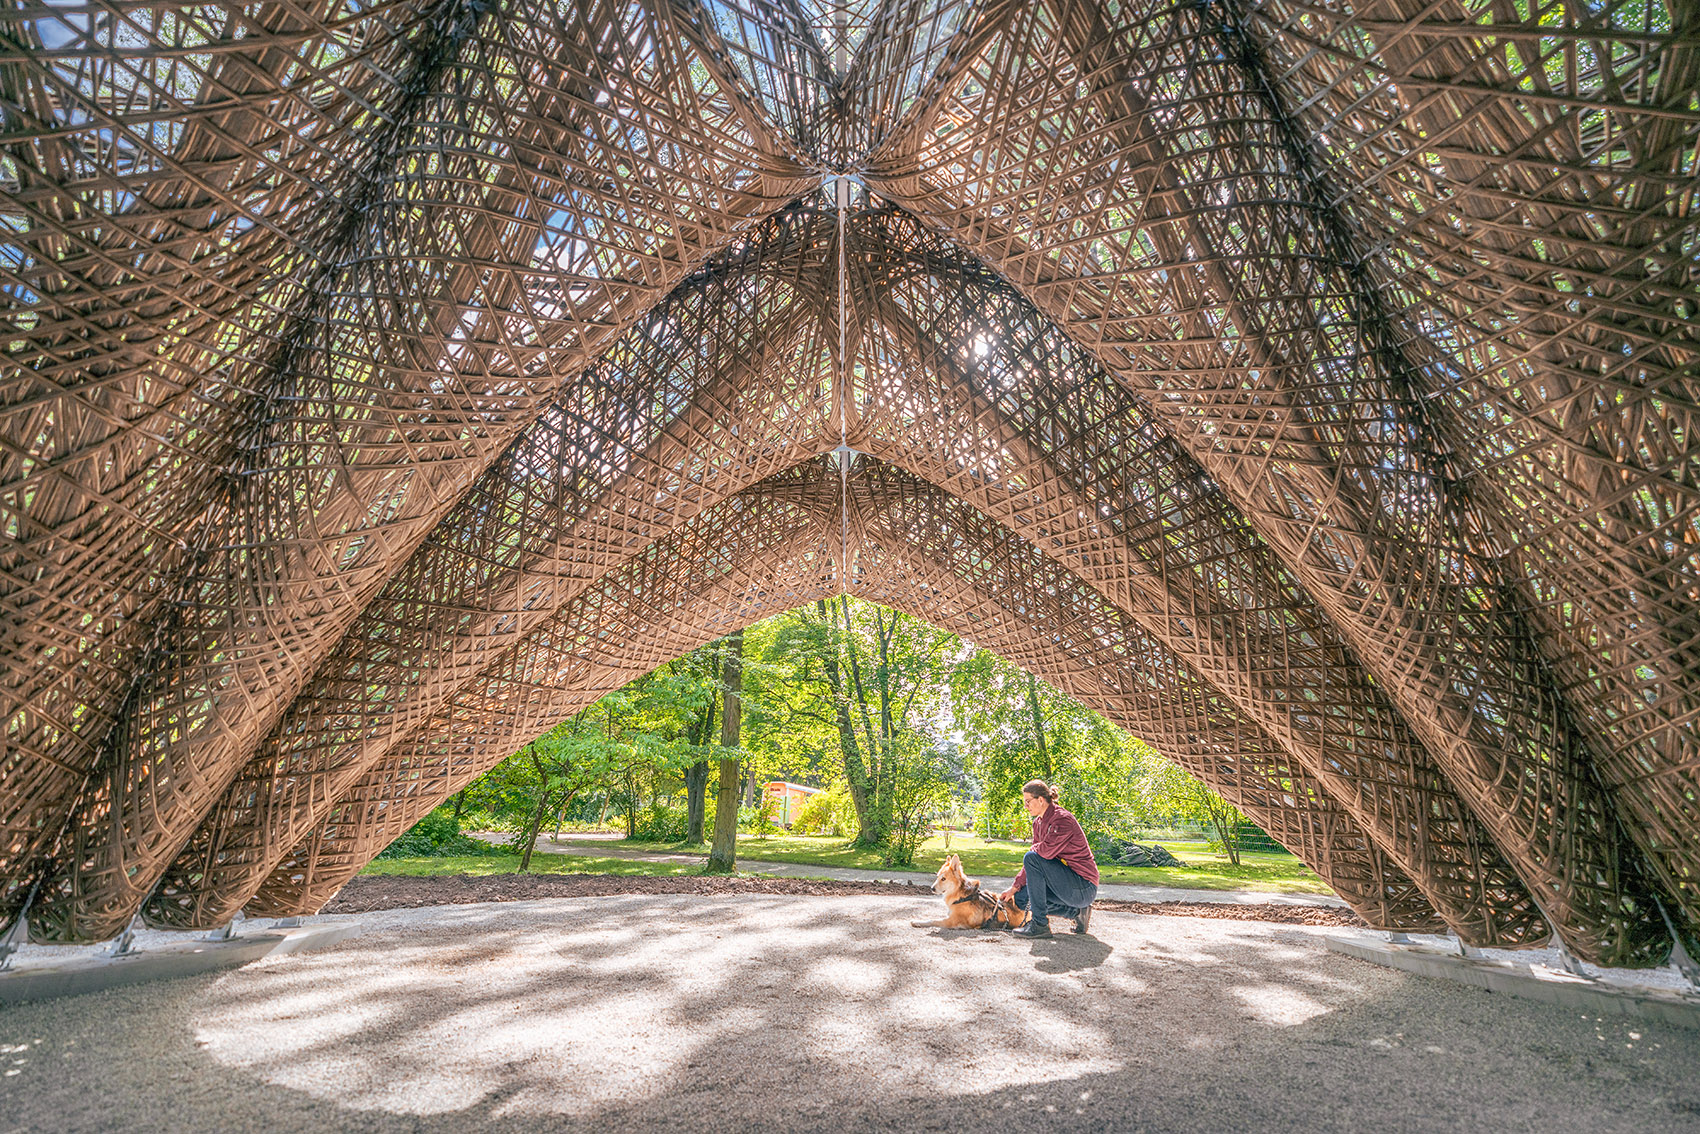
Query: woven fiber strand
{"type": "Point", "coordinates": [1336, 360]}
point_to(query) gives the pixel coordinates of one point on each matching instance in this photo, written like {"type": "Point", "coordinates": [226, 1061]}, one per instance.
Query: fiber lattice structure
{"type": "Point", "coordinates": [1308, 386]}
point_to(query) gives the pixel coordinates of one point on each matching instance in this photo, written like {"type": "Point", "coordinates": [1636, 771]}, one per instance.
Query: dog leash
{"type": "Point", "coordinates": [999, 914]}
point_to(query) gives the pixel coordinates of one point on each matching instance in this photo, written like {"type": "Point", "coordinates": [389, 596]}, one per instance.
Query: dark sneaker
{"type": "Point", "coordinates": [1034, 930]}
{"type": "Point", "coordinates": [1083, 919]}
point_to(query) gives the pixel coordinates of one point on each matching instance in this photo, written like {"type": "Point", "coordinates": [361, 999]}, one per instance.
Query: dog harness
{"type": "Point", "coordinates": [997, 916]}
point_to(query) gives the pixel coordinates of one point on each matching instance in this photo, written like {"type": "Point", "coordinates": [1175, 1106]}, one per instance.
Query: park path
{"type": "Point", "coordinates": [597, 845]}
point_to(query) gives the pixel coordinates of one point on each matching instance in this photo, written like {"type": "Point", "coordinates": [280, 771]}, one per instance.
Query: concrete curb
{"type": "Point", "coordinates": [1529, 982]}
{"type": "Point", "coordinates": [94, 971]}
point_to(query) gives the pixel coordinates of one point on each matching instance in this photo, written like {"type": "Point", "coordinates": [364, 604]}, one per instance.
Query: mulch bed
{"type": "Point", "coordinates": [373, 892]}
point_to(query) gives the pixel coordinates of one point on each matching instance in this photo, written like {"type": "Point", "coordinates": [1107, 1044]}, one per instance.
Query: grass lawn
{"type": "Point", "coordinates": [509, 864]}
{"type": "Point", "coordinates": [1204, 869]}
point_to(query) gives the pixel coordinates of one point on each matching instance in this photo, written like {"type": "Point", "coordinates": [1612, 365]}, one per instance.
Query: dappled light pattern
{"type": "Point", "coordinates": [784, 1013]}
{"type": "Point", "coordinates": [1310, 387]}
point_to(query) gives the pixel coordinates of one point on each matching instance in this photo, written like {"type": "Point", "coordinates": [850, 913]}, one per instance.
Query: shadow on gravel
{"type": "Point", "coordinates": [787, 1013]}
{"type": "Point", "coordinates": [1070, 954]}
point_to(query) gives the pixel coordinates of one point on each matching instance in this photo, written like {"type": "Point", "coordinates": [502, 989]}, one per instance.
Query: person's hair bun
{"type": "Point", "coordinates": [1039, 789]}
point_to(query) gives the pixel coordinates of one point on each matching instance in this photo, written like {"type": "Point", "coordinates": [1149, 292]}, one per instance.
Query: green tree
{"type": "Point", "coordinates": [547, 774]}
{"type": "Point", "coordinates": [636, 737]}
{"type": "Point", "coordinates": [1015, 728]}
{"type": "Point", "coordinates": [875, 678]}
{"type": "Point", "coordinates": [722, 857]}
{"type": "Point", "coordinates": [920, 789]}
{"type": "Point", "coordinates": [1170, 788]}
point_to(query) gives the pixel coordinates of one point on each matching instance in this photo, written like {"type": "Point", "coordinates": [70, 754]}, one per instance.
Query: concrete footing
{"type": "Point", "coordinates": [92, 969]}
{"type": "Point", "coordinates": [1531, 982]}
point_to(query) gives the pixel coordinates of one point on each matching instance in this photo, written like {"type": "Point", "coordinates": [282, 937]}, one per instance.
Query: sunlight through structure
{"type": "Point", "coordinates": [1308, 387]}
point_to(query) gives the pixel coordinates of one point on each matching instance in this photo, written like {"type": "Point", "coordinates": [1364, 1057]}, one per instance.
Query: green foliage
{"type": "Point", "coordinates": [870, 684]}
{"type": "Point", "coordinates": [831, 812]}
{"type": "Point", "coordinates": [920, 790]}
{"type": "Point", "coordinates": [766, 818]}
{"type": "Point", "coordinates": [1002, 819]}
{"type": "Point", "coordinates": [1016, 728]}
{"type": "Point", "coordinates": [437, 835]}
{"type": "Point", "coordinates": [753, 818]}
{"type": "Point", "coordinates": [909, 724]}
{"type": "Point", "coordinates": [660, 823]}
{"type": "Point", "coordinates": [1182, 796]}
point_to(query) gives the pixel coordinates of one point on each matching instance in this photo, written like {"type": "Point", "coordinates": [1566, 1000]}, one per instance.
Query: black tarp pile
{"type": "Point", "coordinates": [1135, 854]}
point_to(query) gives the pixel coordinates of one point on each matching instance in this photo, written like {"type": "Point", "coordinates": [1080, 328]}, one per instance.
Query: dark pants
{"type": "Point", "coordinates": [1053, 888]}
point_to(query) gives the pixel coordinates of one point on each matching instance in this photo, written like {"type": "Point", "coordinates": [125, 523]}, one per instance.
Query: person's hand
{"type": "Point", "coordinates": [1008, 895]}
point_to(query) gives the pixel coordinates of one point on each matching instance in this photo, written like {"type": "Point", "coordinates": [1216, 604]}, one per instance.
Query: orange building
{"type": "Point", "coordinates": [788, 799]}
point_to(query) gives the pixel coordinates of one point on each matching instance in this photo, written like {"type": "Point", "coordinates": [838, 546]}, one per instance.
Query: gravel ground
{"type": "Point", "coordinates": [774, 1012]}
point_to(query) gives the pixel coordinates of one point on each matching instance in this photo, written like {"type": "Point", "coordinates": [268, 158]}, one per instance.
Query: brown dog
{"type": "Point", "coordinates": [969, 907]}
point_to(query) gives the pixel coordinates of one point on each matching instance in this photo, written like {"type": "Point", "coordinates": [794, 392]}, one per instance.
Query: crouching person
{"type": "Point", "coordinates": [1059, 875]}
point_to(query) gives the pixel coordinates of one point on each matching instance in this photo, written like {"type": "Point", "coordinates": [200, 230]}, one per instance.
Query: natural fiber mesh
{"type": "Point", "coordinates": [940, 560]}
{"type": "Point", "coordinates": [1215, 279]}
{"type": "Point", "coordinates": [716, 388]}
{"type": "Point", "coordinates": [518, 536]}
{"type": "Point", "coordinates": [1401, 299]}
{"type": "Point", "coordinates": [1557, 352]}
{"type": "Point", "coordinates": [149, 263]}
{"type": "Point", "coordinates": [549, 682]}
{"type": "Point", "coordinates": [479, 270]}
{"type": "Point", "coordinates": [747, 559]}
{"type": "Point", "coordinates": [1073, 463]}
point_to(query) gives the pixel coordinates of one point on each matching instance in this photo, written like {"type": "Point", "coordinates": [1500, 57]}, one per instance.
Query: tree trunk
{"type": "Point", "coordinates": [696, 787]}
{"type": "Point", "coordinates": [532, 830]}
{"type": "Point", "coordinates": [722, 857]}
{"type": "Point", "coordinates": [631, 805]}
{"type": "Point", "coordinates": [854, 770]}
{"type": "Point", "coordinates": [460, 802]}
{"type": "Point", "coordinates": [1039, 727]}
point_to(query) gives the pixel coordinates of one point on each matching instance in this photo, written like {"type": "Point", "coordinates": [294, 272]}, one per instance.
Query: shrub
{"type": "Point", "coordinates": [767, 815]}
{"type": "Point", "coordinates": [436, 836]}
{"type": "Point", "coordinates": [748, 817]}
{"type": "Point", "coordinates": [919, 792]}
{"type": "Point", "coordinates": [1007, 821]}
{"type": "Point", "coordinates": [831, 812]}
{"type": "Point", "coordinates": [659, 823]}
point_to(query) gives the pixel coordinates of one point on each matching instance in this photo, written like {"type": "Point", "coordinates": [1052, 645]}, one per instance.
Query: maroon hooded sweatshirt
{"type": "Point", "coordinates": [1057, 834]}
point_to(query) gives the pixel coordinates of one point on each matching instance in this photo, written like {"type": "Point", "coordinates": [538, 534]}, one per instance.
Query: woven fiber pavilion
{"type": "Point", "coordinates": [1311, 386]}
